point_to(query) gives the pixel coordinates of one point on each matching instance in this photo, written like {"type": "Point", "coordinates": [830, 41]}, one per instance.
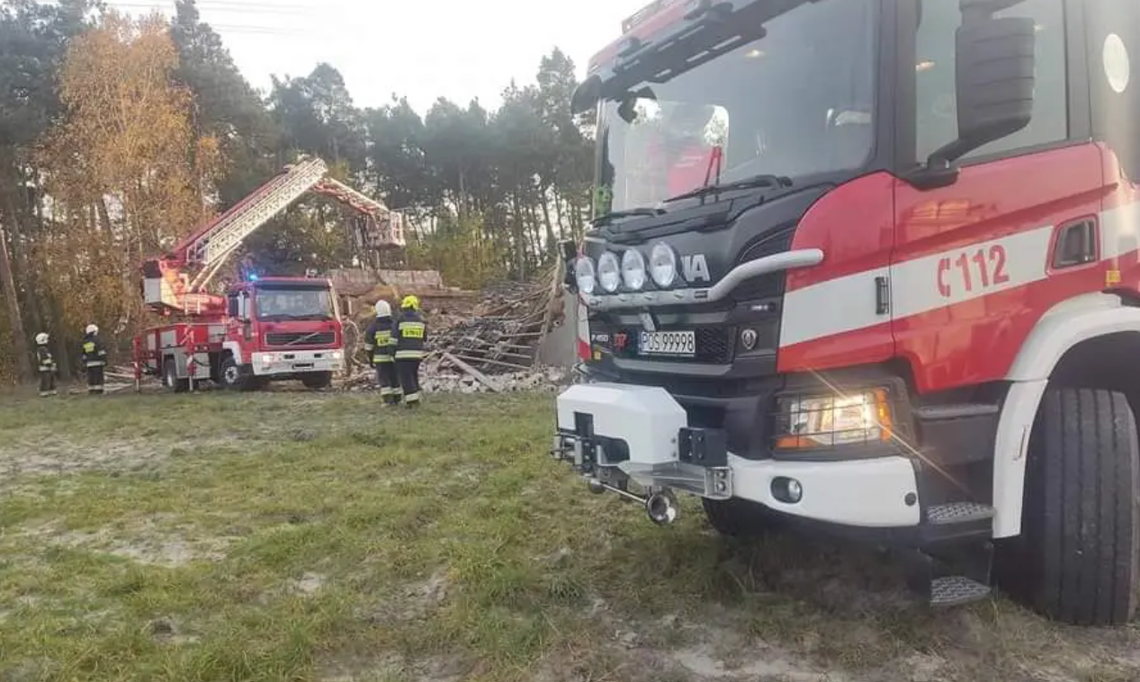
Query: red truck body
{"type": "Point", "coordinates": [249, 349]}
{"type": "Point", "coordinates": [261, 329]}
{"type": "Point", "coordinates": [907, 307]}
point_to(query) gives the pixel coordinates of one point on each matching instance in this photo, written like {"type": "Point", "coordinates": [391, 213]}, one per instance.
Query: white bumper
{"type": "Point", "coordinates": [646, 424]}
{"type": "Point", "coordinates": [297, 362]}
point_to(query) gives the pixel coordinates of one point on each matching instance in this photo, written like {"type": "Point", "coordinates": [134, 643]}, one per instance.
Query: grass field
{"type": "Point", "coordinates": [298, 536]}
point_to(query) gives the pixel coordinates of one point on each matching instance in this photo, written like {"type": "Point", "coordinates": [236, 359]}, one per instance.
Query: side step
{"type": "Point", "coordinates": [953, 576]}
{"type": "Point", "coordinates": [958, 512]}
{"type": "Point", "coordinates": [958, 520]}
{"type": "Point", "coordinates": [954, 567]}
{"type": "Point", "coordinates": [955, 590]}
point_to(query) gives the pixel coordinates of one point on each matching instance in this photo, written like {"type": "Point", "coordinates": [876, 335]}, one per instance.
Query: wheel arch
{"type": "Point", "coordinates": [234, 349]}
{"type": "Point", "coordinates": [1076, 342]}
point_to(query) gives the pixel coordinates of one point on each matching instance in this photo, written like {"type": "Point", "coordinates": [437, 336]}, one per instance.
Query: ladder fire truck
{"type": "Point", "coordinates": [873, 267]}
{"type": "Point", "coordinates": [262, 328]}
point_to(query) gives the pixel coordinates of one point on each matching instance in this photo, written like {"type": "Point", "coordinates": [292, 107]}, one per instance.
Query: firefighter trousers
{"type": "Point", "coordinates": [47, 382]}
{"type": "Point", "coordinates": [389, 382]}
{"type": "Point", "coordinates": [95, 380]}
{"type": "Point", "coordinates": [408, 370]}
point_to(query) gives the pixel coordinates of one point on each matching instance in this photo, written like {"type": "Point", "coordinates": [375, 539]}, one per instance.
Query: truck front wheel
{"type": "Point", "coordinates": [317, 380]}
{"type": "Point", "coordinates": [1079, 552]}
{"type": "Point", "coordinates": [736, 517]}
{"type": "Point", "coordinates": [231, 375]}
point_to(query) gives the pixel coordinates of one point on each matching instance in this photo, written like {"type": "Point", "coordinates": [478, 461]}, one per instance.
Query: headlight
{"type": "Point", "coordinates": [609, 272]}
{"type": "Point", "coordinates": [268, 357]}
{"type": "Point", "coordinates": [336, 355]}
{"type": "Point", "coordinates": [584, 275]}
{"type": "Point", "coordinates": [633, 269]}
{"type": "Point", "coordinates": [806, 422]}
{"type": "Point", "coordinates": [663, 265]}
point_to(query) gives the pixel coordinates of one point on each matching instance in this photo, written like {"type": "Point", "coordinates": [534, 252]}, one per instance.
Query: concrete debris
{"type": "Point", "coordinates": [493, 332]}
{"type": "Point", "coordinates": [502, 332]}
{"type": "Point", "coordinates": [441, 378]}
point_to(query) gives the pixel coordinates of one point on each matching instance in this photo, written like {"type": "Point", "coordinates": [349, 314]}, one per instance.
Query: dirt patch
{"type": "Point", "coordinates": [706, 662]}
{"type": "Point", "coordinates": [53, 454]}
{"type": "Point", "coordinates": [416, 601]}
{"type": "Point", "coordinates": [144, 541]}
{"type": "Point", "coordinates": [309, 583]}
{"type": "Point", "coordinates": [394, 667]}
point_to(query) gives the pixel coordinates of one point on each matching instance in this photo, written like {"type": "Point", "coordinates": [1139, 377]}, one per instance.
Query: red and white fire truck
{"type": "Point", "coordinates": [260, 329]}
{"type": "Point", "coordinates": [874, 266]}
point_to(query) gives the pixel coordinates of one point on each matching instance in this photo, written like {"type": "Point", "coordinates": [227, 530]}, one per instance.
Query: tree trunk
{"type": "Point", "coordinates": [520, 237]}
{"type": "Point", "coordinates": [12, 298]}
{"type": "Point", "coordinates": [544, 202]}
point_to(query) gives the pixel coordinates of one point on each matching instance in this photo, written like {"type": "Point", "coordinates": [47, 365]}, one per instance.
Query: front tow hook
{"type": "Point", "coordinates": [660, 505]}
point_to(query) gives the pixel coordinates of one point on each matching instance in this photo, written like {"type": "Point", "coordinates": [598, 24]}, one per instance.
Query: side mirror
{"type": "Point", "coordinates": [995, 77]}
{"type": "Point", "coordinates": [569, 254]}
{"type": "Point", "coordinates": [586, 95]}
{"type": "Point", "coordinates": [569, 250]}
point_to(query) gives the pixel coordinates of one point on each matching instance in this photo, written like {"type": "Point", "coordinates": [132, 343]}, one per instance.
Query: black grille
{"type": "Point", "coordinates": [714, 344]}
{"type": "Point", "coordinates": [772, 284]}
{"type": "Point", "coordinates": [300, 338]}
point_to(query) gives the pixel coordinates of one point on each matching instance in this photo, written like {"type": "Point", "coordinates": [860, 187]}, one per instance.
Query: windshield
{"type": "Point", "coordinates": [795, 102]}
{"type": "Point", "coordinates": [294, 304]}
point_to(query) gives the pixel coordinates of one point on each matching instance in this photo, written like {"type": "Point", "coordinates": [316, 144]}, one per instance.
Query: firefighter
{"type": "Point", "coordinates": [47, 367]}
{"type": "Point", "coordinates": [684, 153]}
{"type": "Point", "coordinates": [380, 345]}
{"type": "Point", "coordinates": [411, 335]}
{"type": "Point", "coordinates": [94, 360]}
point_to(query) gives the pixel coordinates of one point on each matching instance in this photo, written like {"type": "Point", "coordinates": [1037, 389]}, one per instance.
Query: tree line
{"type": "Point", "coordinates": [120, 135]}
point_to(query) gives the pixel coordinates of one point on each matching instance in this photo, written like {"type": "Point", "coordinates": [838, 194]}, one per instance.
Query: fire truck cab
{"type": "Point", "coordinates": [873, 265]}
{"type": "Point", "coordinates": [271, 329]}
{"type": "Point", "coordinates": [260, 329]}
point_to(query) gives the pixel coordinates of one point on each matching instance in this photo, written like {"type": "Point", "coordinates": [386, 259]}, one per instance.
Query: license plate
{"type": "Point", "coordinates": [680, 344]}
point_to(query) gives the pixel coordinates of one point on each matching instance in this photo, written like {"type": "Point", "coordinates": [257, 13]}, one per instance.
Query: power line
{"type": "Point", "coordinates": [312, 30]}
{"type": "Point", "coordinates": [226, 9]}
{"type": "Point", "coordinates": [253, 5]}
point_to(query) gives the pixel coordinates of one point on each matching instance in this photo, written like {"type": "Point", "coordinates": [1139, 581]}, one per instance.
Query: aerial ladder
{"type": "Point", "coordinates": [169, 289]}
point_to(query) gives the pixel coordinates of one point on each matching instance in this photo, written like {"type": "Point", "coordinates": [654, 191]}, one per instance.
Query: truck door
{"type": "Point", "coordinates": [972, 269]}
{"type": "Point", "coordinates": [1113, 30]}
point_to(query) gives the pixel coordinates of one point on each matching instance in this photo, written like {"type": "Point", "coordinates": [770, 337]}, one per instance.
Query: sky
{"type": "Point", "coordinates": [422, 49]}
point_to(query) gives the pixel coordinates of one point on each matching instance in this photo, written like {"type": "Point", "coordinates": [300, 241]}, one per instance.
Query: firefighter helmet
{"type": "Point", "coordinates": [410, 302]}
{"type": "Point", "coordinates": [91, 329]}
{"type": "Point", "coordinates": [41, 339]}
{"type": "Point", "coordinates": [383, 309]}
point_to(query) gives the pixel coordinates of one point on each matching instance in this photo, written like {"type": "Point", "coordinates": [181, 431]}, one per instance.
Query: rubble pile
{"type": "Point", "coordinates": [486, 342]}
{"type": "Point", "coordinates": [537, 379]}
{"type": "Point", "coordinates": [438, 378]}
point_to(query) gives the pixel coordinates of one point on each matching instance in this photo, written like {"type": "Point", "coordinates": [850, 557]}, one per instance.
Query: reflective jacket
{"type": "Point", "coordinates": [94, 354]}
{"type": "Point", "coordinates": [411, 336]}
{"type": "Point", "coordinates": [686, 163]}
{"type": "Point", "coordinates": [44, 360]}
{"type": "Point", "coordinates": [380, 340]}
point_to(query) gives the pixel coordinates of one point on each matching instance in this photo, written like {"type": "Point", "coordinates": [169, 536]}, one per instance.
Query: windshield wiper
{"type": "Point", "coordinates": [746, 183]}
{"type": "Point", "coordinates": [608, 218]}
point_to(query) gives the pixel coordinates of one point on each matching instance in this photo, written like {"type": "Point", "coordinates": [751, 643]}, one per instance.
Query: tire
{"type": "Point", "coordinates": [739, 518]}
{"type": "Point", "coordinates": [1080, 544]}
{"type": "Point", "coordinates": [231, 375]}
{"type": "Point", "coordinates": [317, 380]}
{"type": "Point", "coordinates": [170, 377]}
